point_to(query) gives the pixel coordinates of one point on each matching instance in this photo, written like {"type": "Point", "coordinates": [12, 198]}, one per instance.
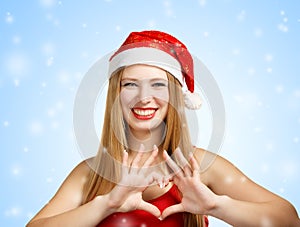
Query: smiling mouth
{"type": "Point", "coordinates": [144, 113]}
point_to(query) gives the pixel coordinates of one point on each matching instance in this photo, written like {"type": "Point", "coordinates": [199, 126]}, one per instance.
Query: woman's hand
{"type": "Point", "coordinates": [197, 198]}
{"type": "Point", "coordinates": [127, 194]}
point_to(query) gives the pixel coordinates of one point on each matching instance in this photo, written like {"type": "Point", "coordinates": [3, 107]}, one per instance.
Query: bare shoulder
{"type": "Point", "coordinates": [214, 167]}
{"type": "Point", "coordinates": [70, 193]}
{"type": "Point", "coordinates": [224, 178]}
{"type": "Point", "coordinates": [75, 181]}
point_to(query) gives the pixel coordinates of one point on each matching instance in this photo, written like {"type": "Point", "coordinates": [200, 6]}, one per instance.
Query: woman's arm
{"type": "Point", "coordinates": [249, 203]}
{"type": "Point", "coordinates": [65, 208]}
{"type": "Point", "coordinates": [229, 195]}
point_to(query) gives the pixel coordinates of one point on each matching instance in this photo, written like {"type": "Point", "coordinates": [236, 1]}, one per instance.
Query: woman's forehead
{"type": "Point", "coordinates": [144, 72]}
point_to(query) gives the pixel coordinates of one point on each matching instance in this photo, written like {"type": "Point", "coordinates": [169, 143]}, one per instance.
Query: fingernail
{"type": "Point", "coordinates": [161, 185]}
{"type": "Point", "coordinates": [160, 218]}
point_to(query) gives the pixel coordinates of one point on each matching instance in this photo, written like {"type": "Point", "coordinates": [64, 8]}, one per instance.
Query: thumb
{"type": "Point", "coordinates": [149, 208]}
{"type": "Point", "coordinates": [172, 210]}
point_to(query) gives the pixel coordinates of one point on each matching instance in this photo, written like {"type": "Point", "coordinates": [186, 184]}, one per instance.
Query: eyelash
{"type": "Point", "coordinates": [159, 84]}
{"type": "Point", "coordinates": [131, 84]}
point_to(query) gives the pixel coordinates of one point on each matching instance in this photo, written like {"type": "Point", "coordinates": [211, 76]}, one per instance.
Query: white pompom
{"type": "Point", "coordinates": [192, 100]}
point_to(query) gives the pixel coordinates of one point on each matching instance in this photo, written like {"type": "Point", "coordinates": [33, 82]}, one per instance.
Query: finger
{"type": "Point", "coordinates": [183, 162]}
{"type": "Point", "coordinates": [154, 177]}
{"type": "Point", "coordinates": [152, 157]}
{"type": "Point", "coordinates": [125, 157]}
{"type": "Point", "coordinates": [149, 208]}
{"type": "Point", "coordinates": [177, 170]}
{"type": "Point", "coordinates": [125, 160]}
{"type": "Point", "coordinates": [194, 164]}
{"type": "Point", "coordinates": [172, 210]}
{"type": "Point", "coordinates": [138, 157]}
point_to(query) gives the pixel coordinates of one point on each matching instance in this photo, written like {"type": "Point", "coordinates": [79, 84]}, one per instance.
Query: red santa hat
{"type": "Point", "coordinates": [162, 50]}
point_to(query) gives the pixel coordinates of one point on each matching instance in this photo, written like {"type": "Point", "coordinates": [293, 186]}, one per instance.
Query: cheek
{"type": "Point", "coordinates": [162, 95]}
{"type": "Point", "coordinates": [127, 99]}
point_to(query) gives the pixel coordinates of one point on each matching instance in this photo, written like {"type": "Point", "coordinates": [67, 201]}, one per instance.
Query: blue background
{"type": "Point", "coordinates": [252, 49]}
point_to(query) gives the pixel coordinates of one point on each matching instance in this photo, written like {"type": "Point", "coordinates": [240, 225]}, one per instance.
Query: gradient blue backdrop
{"type": "Point", "coordinates": [252, 49]}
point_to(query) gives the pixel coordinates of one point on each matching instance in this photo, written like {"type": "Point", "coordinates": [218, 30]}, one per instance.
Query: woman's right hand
{"type": "Point", "coordinates": [127, 194]}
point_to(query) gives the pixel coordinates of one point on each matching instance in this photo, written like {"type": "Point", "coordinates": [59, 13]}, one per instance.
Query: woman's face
{"type": "Point", "coordinates": [144, 96]}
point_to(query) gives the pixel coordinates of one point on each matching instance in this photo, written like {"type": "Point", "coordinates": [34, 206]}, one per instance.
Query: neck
{"type": "Point", "coordinates": [148, 138]}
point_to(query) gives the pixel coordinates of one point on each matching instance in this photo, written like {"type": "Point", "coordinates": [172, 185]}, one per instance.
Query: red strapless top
{"type": "Point", "coordinates": [140, 218]}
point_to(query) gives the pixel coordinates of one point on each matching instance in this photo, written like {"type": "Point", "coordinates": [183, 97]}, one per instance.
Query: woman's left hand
{"type": "Point", "coordinates": [197, 198]}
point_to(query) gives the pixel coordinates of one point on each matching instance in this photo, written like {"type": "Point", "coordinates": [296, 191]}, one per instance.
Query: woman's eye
{"type": "Point", "coordinates": [129, 84]}
{"type": "Point", "coordinates": [159, 84]}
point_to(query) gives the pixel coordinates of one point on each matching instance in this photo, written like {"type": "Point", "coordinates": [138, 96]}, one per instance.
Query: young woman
{"type": "Point", "coordinates": [147, 172]}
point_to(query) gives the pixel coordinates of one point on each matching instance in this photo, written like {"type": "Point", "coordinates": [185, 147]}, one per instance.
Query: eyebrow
{"type": "Point", "coordinates": [152, 79]}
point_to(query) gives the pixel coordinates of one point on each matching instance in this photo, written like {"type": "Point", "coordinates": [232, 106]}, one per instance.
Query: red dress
{"type": "Point", "coordinates": [140, 218]}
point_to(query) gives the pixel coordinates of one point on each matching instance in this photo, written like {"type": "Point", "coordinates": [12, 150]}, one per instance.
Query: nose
{"type": "Point", "coordinates": [145, 94]}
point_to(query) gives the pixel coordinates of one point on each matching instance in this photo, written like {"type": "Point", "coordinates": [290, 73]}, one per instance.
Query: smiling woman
{"type": "Point", "coordinates": [144, 97]}
{"type": "Point", "coordinates": [147, 171]}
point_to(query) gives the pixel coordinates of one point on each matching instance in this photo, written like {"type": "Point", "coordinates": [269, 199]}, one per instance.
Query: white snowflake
{"type": "Point", "coordinates": [118, 28]}
{"type": "Point", "coordinates": [279, 89]}
{"type": "Point", "coordinates": [48, 3]}
{"type": "Point", "coordinates": [16, 82]}
{"type": "Point", "coordinates": [265, 168]}
{"type": "Point", "coordinates": [44, 84]}
{"type": "Point", "coordinates": [51, 112]}
{"type": "Point", "coordinates": [202, 2]}
{"type": "Point", "coordinates": [258, 32]}
{"type": "Point", "coordinates": [64, 77]}
{"type": "Point", "coordinates": [269, 146]}
{"type": "Point", "coordinates": [16, 39]}
{"type": "Point", "coordinates": [49, 61]}
{"type": "Point", "coordinates": [296, 93]}
{"type": "Point", "coordinates": [13, 211]}
{"type": "Point", "coordinates": [168, 9]}
{"type": "Point", "coordinates": [5, 123]}
{"type": "Point", "coordinates": [251, 71]}
{"type": "Point", "coordinates": [269, 70]}
{"type": "Point", "coordinates": [268, 57]}
{"type": "Point", "coordinates": [236, 51]}
{"type": "Point", "coordinates": [151, 23]}
{"type": "Point", "coordinates": [48, 48]}
{"type": "Point", "coordinates": [9, 18]}
{"type": "Point", "coordinates": [258, 129]}
{"type": "Point", "coordinates": [16, 170]}
{"type": "Point", "coordinates": [288, 168]}
{"type": "Point", "coordinates": [205, 34]}
{"type": "Point", "coordinates": [241, 16]}
{"type": "Point", "coordinates": [17, 64]}
{"type": "Point", "coordinates": [283, 27]}
{"type": "Point", "coordinates": [36, 127]}
{"type": "Point", "coordinates": [49, 180]}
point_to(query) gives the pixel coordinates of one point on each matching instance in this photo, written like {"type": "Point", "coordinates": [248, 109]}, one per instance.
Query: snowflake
{"type": "Point", "coordinates": [241, 16]}
{"type": "Point", "coordinates": [118, 28]}
{"type": "Point", "coordinates": [5, 123]}
{"type": "Point", "coordinates": [268, 57]}
{"type": "Point", "coordinates": [202, 2]}
{"type": "Point", "coordinates": [282, 27]}
{"type": "Point", "coordinates": [9, 18]}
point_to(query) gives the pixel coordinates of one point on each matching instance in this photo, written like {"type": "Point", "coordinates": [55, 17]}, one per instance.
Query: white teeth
{"type": "Point", "coordinates": [143, 112]}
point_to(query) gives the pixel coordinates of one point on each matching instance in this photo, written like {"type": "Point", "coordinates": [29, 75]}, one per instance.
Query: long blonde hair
{"type": "Point", "coordinates": [104, 172]}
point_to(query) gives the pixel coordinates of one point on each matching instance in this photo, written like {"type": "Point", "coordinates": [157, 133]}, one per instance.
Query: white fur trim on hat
{"type": "Point", "coordinates": [148, 56]}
